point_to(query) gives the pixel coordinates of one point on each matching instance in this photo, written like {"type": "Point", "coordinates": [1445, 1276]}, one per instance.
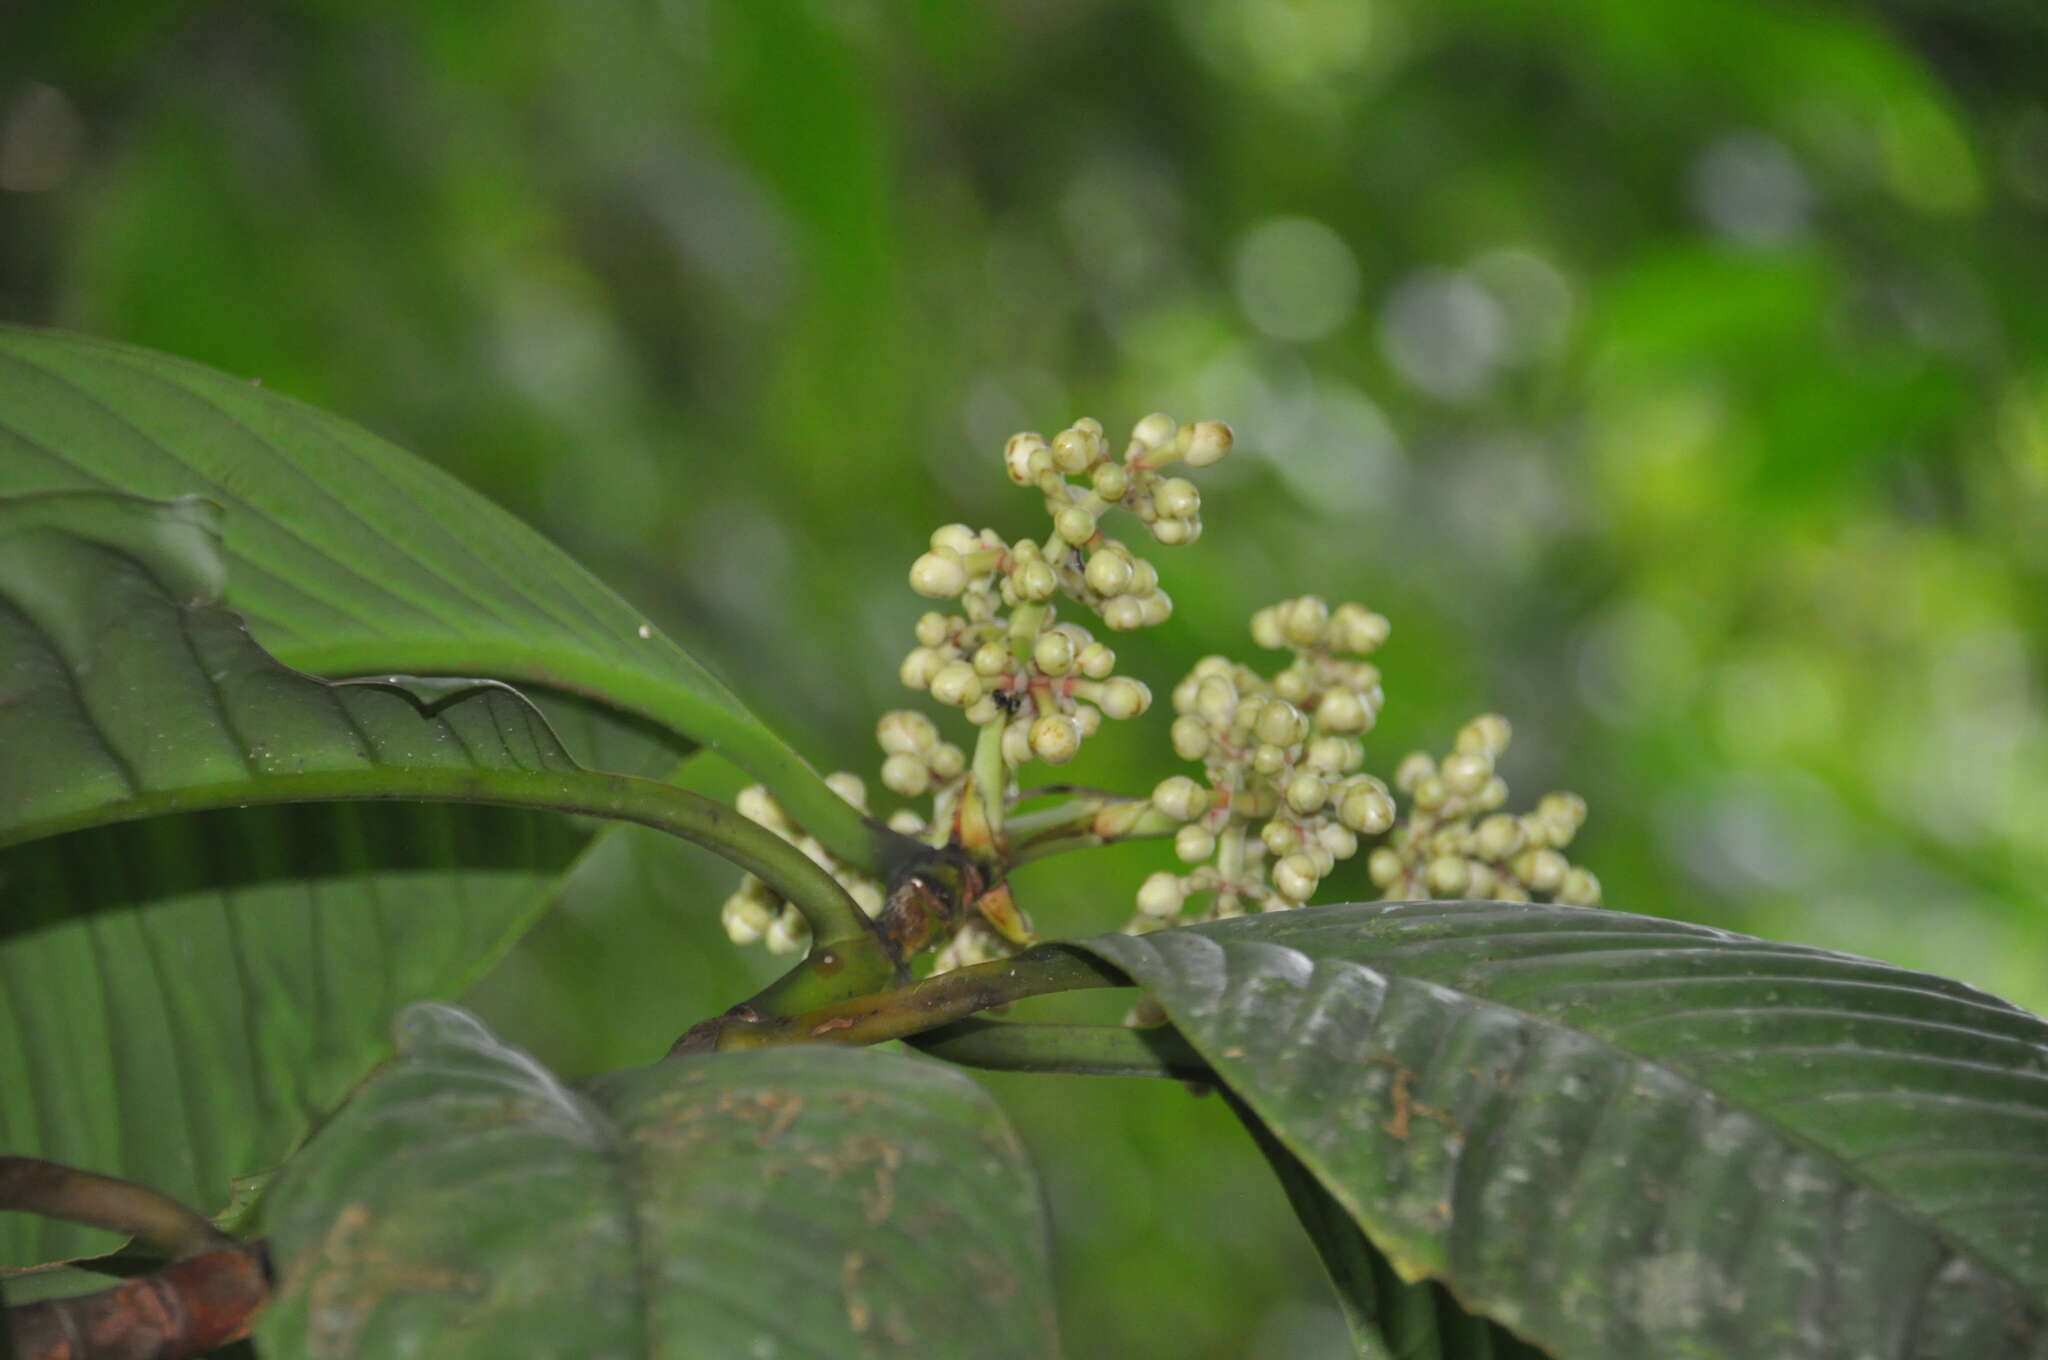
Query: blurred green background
{"type": "Point", "coordinates": [1675, 375]}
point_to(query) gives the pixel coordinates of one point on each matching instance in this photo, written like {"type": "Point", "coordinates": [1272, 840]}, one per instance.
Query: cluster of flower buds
{"type": "Point", "coordinates": [1282, 763]}
{"type": "Point", "coordinates": [755, 912]}
{"type": "Point", "coordinates": [1043, 685]}
{"type": "Point", "coordinates": [1456, 842]}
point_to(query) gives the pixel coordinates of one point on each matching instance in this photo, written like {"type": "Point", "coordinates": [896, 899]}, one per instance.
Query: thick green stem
{"type": "Point", "coordinates": [907, 1010]}
{"type": "Point", "coordinates": [1081, 823]}
{"type": "Point", "coordinates": [849, 957]}
{"type": "Point", "coordinates": [1080, 1050]}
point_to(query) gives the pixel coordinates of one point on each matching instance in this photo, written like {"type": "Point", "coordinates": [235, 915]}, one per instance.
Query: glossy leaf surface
{"type": "Point", "coordinates": [1620, 1135]}
{"type": "Point", "coordinates": [795, 1201]}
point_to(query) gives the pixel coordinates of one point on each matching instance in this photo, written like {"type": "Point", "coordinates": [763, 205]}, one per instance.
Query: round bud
{"type": "Point", "coordinates": [905, 822]}
{"type": "Point", "coordinates": [1017, 744]}
{"type": "Point", "coordinates": [1413, 769]}
{"type": "Point", "coordinates": [1025, 456]}
{"type": "Point", "coordinates": [1485, 735]}
{"type": "Point", "coordinates": [1579, 889]}
{"type": "Point", "coordinates": [1123, 697]}
{"type": "Point", "coordinates": [1541, 869]}
{"type": "Point", "coordinates": [991, 659]}
{"type": "Point", "coordinates": [755, 804]}
{"type": "Point", "coordinates": [1269, 759]}
{"type": "Point", "coordinates": [1296, 877]}
{"type": "Point", "coordinates": [1498, 838]}
{"type": "Point", "coordinates": [982, 711]}
{"type": "Point", "coordinates": [1055, 738]}
{"type": "Point", "coordinates": [1335, 755]}
{"type": "Point", "coordinates": [1161, 895]}
{"type": "Point", "coordinates": [1484, 882]}
{"type": "Point", "coordinates": [1123, 613]}
{"type": "Point", "coordinates": [957, 539]}
{"type": "Point", "coordinates": [1074, 524]}
{"type": "Point", "coordinates": [1177, 498]}
{"type": "Point", "coordinates": [1365, 809]}
{"type": "Point", "coordinates": [1035, 581]}
{"type": "Point", "coordinates": [1088, 718]}
{"type": "Point", "coordinates": [1174, 532]}
{"type": "Point", "coordinates": [1305, 621]}
{"type": "Point", "coordinates": [1494, 795]}
{"type": "Point", "coordinates": [905, 774]}
{"type": "Point", "coordinates": [1282, 723]}
{"type": "Point", "coordinates": [1216, 699]}
{"type": "Point", "coordinates": [1341, 710]}
{"type": "Point", "coordinates": [1111, 481]}
{"type": "Point", "coordinates": [746, 918]}
{"type": "Point", "coordinates": [1465, 774]}
{"type": "Point", "coordinates": [1338, 841]}
{"type": "Point", "coordinates": [1190, 737]}
{"type": "Point", "coordinates": [850, 788]}
{"type": "Point", "coordinates": [1193, 843]}
{"type": "Point", "coordinates": [1207, 441]}
{"type": "Point", "coordinates": [1095, 661]}
{"type": "Point", "coordinates": [902, 730]}
{"type": "Point", "coordinates": [1144, 578]}
{"type": "Point", "coordinates": [1306, 793]}
{"type": "Point", "coordinates": [1108, 571]}
{"type": "Point", "coordinates": [956, 684]}
{"type": "Point", "coordinates": [1431, 794]}
{"type": "Point", "coordinates": [1071, 452]}
{"type": "Point", "coordinates": [1180, 798]}
{"type": "Point", "coordinates": [1155, 431]}
{"type": "Point", "coordinates": [1385, 867]}
{"type": "Point", "coordinates": [938, 575]}
{"type": "Point", "coordinates": [867, 895]}
{"type": "Point", "coordinates": [1566, 811]}
{"type": "Point", "coordinates": [1158, 607]}
{"type": "Point", "coordinates": [1293, 685]}
{"type": "Point", "coordinates": [1280, 837]}
{"type": "Point", "coordinates": [1266, 631]}
{"type": "Point", "coordinates": [788, 933]}
{"type": "Point", "coordinates": [1448, 875]}
{"type": "Point", "coordinates": [932, 628]}
{"type": "Point", "coordinates": [946, 760]}
{"type": "Point", "coordinates": [1053, 653]}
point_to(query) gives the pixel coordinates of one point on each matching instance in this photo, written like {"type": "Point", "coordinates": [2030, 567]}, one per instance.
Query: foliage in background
{"type": "Point", "coordinates": [1672, 375]}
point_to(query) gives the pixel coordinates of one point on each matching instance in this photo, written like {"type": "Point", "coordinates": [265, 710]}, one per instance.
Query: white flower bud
{"type": "Point", "coordinates": [1305, 621]}
{"type": "Point", "coordinates": [1158, 607]}
{"type": "Point", "coordinates": [1280, 836]}
{"type": "Point", "coordinates": [1174, 532]}
{"type": "Point", "coordinates": [1494, 795]}
{"type": "Point", "coordinates": [1155, 431]}
{"type": "Point", "coordinates": [867, 895]}
{"type": "Point", "coordinates": [1341, 710]}
{"type": "Point", "coordinates": [919, 666]}
{"type": "Point", "coordinates": [982, 711]}
{"type": "Point", "coordinates": [991, 659]}
{"type": "Point", "coordinates": [1208, 442]}
{"type": "Point", "coordinates": [1055, 738]}
{"type": "Point", "coordinates": [1074, 524]}
{"type": "Point", "coordinates": [1017, 743]}
{"type": "Point", "coordinates": [1216, 699]}
{"type": "Point", "coordinates": [1111, 481]}
{"type": "Point", "coordinates": [938, 575]}
{"type": "Point", "coordinates": [1035, 581]}
{"type": "Point", "coordinates": [1161, 895]}
{"type": "Point", "coordinates": [956, 684]}
{"type": "Point", "coordinates": [1095, 661]}
{"type": "Point", "coordinates": [755, 804]}
{"type": "Point", "coordinates": [955, 539]}
{"type": "Point", "coordinates": [1465, 774]}
{"type": "Point", "coordinates": [1144, 578]}
{"type": "Point", "coordinates": [946, 760]}
{"type": "Point", "coordinates": [1296, 877]}
{"type": "Point", "coordinates": [1448, 875]}
{"type": "Point", "coordinates": [1193, 843]}
{"type": "Point", "coordinates": [746, 917]}
{"type": "Point", "coordinates": [1334, 755]}
{"type": "Point", "coordinates": [906, 774]}
{"type": "Point", "coordinates": [1180, 798]}
{"type": "Point", "coordinates": [1542, 869]}
{"type": "Point", "coordinates": [1025, 456]}
{"type": "Point", "coordinates": [1385, 867]}
{"type": "Point", "coordinates": [850, 788]}
{"type": "Point", "coordinates": [1485, 735]}
{"type": "Point", "coordinates": [1266, 630]}
{"type": "Point", "coordinates": [1356, 630]}
{"type": "Point", "coordinates": [1564, 810]}
{"type": "Point", "coordinates": [906, 731]}
{"type": "Point", "coordinates": [1366, 809]}
{"type": "Point", "coordinates": [1281, 723]}
{"type": "Point", "coordinates": [1579, 889]}
{"type": "Point", "coordinates": [1498, 838]}
{"type": "Point", "coordinates": [933, 629]}
{"type": "Point", "coordinates": [1177, 498]}
{"type": "Point", "coordinates": [1072, 452]}
{"type": "Point", "coordinates": [906, 822]}
{"type": "Point", "coordinates": [1339, 842]}
{"type": "Point", "coordinates": [1122, 613]}
{"type": "Point", "coordinates": [1088, 718]}
{"type": "Point", "coordinates": [1190, 737]}
{"type": "Point", "coordinates": [1108, 571]}
{"type": "Point", "coordinates": [1306, 794]}
{"type": "Point", "coordinates": [1413, 769]}
{"type": "Point", "coordinates": [1431, 794]}
{"type": "Point", "coordinates": [1123, 697]}
{"type": "Point", "coordinates": [788, 933]}
{"type": "Point", "coordinates": [1269, 759]}
{"type": "Point", "coordinates": [1053, 653]}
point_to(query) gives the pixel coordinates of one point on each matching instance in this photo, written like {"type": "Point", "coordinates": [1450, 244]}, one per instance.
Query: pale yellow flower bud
{"type": "Point", "coordinates": [1123, 613]}
{"type": "Point", "coordinates": [1108, 571]}
{"type": "Point", "coordinates": [1190, 737]}
{"type": "Point", "coordinates": [1123, 697]}
{"type": "Point", "coordinates": [1306, 794]}
{"type": "Point", "coordinates": [1055, 738]}
{"type": "Point", "coordinates": [1096, 661]}
{"type": "Point", "coordinates": [1053, 653]}
{"type": "Point", "coordinates": [906, 774]}
{"type": "Point", "coordinates": [1305, 621]}
{"type": "Point", "coordinates": [946, 760]}
{"type": "Point", "coordinates": [1180, 798]}
{"type": "Point", "coordinates": [1155, 431]}
{"type": "Point", "coordinates": [1194, 843]}
{"type": "Point", "coordinates": [1296, 877]}
{"type": "Point", "coordinates": [1366, 809]}
{"type": "Point", "coordinates": [1449, 875]}
{"type": "Point", "coordinates": [956, 684]}
{"type": "Point", "coordinates": [850, 788]}
{"type": "Point", "coordinates": [956, 540]}
{"type": "Point", "coordinates": [1035, 581]}
{"type": "Point", "coordinates": [1161, 895]}
{"type": "Point", "coordinates": [1208, 442]}
{"type": "Point", "coordinates": [1177, 498]}
{"type": "Point", "coordinates": [938, 575]}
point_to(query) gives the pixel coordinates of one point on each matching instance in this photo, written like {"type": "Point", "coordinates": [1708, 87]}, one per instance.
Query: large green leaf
{"type": "Point", "coordinates": [349, 556]}
{"type": "Point", "coordinates": [795, 1202]}
{"type": "Point", "coordinates": [1619, 1135]}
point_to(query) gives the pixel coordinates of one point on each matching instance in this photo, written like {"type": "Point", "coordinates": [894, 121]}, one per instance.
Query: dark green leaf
{"type": "Point", "coordinates": [797, 1201]}
{"type": "Point", "coordinates": [348, 556]}
{"type": "Point", "coordinates": [1620, 1135]}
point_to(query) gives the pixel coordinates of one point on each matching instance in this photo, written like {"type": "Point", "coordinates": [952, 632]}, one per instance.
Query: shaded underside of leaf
{"type": "Point", "coordinates": [1621, 1135]}
{"type": "Point", "coordinates": [805, 1201]}
{"type": "Point", "coordinates": [350, 557]}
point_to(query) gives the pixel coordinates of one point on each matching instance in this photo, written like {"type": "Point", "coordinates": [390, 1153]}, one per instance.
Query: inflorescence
{"type": "Point", "coordinates": [1283, 796]}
